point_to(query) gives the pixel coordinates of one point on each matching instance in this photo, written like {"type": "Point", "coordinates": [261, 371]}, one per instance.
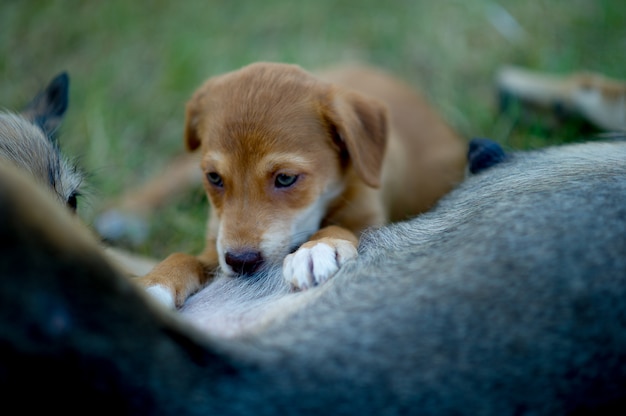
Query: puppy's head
{"type": "Point", "coordinates": [279, 149]}
{"type": "Point", "coordinates": [27, 140]}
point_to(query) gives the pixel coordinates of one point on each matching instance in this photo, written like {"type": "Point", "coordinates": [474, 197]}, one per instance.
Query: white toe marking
{"type": "Point", "coordinates": [312, 266]}
{"type": "Point", "coordinates": [162, 295]}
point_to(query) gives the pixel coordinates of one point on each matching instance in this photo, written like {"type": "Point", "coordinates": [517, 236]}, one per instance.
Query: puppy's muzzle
{"type": "Point", "coordinates": [244, 262]}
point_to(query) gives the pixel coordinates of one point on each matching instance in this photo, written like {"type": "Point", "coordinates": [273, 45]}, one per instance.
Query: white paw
{"type": "Point", "coordinates": [162, 295]}
{"type": "Point", "coordinates": [312, 265]}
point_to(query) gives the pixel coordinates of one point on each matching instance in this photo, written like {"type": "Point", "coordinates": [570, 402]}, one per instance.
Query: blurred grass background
{"type": "Point", "coordinates": [133, 65]}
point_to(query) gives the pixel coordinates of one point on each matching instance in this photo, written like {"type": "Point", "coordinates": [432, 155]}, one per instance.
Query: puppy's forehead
{"type": "Point", "coordinates": [261, 115]}
{"type": "Point", "coordinates": [259, 96]}
{"type": "Point", "coordinates": [265, 81]}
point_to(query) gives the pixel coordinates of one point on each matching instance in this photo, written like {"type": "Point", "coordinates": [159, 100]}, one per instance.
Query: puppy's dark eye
{"type": "Point", "coordinates": [72, 201]}
{"type": "Point", "coordinates": [284, 181]}
{"type": "Point", "coordinates": [215, 179]}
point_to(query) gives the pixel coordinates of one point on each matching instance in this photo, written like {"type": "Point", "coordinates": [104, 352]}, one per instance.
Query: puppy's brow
{"type": "Point", "coordinates": [275, 160]}
{"type": "Point", "coordinates": [213, 158]}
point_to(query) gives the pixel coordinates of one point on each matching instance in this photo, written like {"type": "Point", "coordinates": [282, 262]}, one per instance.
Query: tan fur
{"type": "Point", "coordinates": [366, 150]}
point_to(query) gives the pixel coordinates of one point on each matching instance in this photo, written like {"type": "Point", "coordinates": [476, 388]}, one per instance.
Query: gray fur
{"type": "Point", "coordinates": [28, 141]}
{"type": "Point", "coordinates": [508, 298]}
{"type": "Point", "coordinates": [25, 145]}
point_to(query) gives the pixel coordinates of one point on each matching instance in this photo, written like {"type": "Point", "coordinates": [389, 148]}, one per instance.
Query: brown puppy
{"type": "Point", "coordinates": [296, 166]}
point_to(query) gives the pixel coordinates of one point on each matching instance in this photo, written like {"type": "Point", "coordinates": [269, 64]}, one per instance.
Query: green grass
{"type": "Point", "coordinates": [133, 65]}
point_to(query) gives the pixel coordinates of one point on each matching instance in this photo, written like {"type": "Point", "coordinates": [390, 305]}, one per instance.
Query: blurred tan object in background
{"type": "Point", "coordinates": [592, 96]}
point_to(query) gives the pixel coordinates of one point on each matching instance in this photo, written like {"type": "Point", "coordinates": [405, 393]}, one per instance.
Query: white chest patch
{"type": "Point", "coordinates": [308, 221]}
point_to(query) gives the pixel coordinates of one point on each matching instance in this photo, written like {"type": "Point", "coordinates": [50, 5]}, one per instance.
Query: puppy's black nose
{"type": "Point", "coordinates": [244, 262]}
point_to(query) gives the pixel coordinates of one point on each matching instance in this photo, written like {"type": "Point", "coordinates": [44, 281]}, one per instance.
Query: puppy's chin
{"type": "Point", "coordinates": [226, 272]}
{"type": "Point", "coordinates": [271, 274]}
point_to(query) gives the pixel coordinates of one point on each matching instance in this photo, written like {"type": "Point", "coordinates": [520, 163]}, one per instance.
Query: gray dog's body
{"type": "Point", "coordinates": [508, 298]}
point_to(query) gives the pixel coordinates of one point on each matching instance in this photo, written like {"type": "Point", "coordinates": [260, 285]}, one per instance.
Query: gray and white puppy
{"type": "Point", "coordinates": [508, 298]}
{"type": "Point", "coordinates": [28, 140]}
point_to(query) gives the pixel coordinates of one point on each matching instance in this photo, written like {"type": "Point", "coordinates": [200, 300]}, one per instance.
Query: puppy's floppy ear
{"type": "Point", "coordinates": [192, 139]}
{"type": "Point", "coordinates": [360, 124]}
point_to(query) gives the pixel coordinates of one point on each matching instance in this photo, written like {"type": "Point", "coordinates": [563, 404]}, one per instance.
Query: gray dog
{"type": "Point", "coordinates": [508, 298]}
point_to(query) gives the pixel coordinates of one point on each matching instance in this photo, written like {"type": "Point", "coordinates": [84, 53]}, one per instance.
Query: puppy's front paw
{"type": "Point", "coordinates": [163, 291]}
{"type": "Point", "coordinates": [316, 261]}
{"type": "Point", "coordinates": [173, 280]}
{"type": "Point", "coordinates": [162, 294]}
